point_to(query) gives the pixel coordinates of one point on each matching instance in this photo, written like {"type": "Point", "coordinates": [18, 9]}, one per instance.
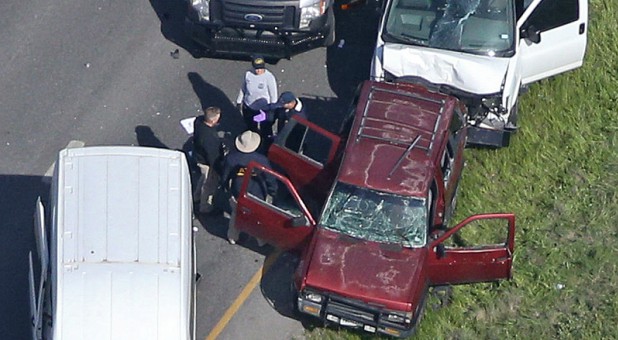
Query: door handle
{"type": "Point", "coordinates": [582, 28]}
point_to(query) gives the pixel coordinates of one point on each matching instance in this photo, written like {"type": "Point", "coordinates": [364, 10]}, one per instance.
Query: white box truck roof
{"type": "Point", "coordinates": [121, 245]}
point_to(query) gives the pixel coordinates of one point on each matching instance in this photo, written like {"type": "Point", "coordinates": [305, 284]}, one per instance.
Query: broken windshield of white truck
{"type": "Point", "coordinates": [376, 216]}
{"type": "Point", "coordinates": [474, 26]}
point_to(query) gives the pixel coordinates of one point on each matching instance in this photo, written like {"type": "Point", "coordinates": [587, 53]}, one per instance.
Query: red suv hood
{"type": "Point", "coordinates": [368, 271]}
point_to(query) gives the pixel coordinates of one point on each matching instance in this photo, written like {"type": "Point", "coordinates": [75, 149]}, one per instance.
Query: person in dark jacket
{"type": "Point", "coordinates": [235, 170]}
{"type": "Point", "coordinates": [281, 112]}
{"type": "Point", "coordinates": [208, 153]}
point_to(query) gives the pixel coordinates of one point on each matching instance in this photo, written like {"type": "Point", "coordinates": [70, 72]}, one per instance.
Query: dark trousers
{"type": "Point", "coordinates": [247, 115]}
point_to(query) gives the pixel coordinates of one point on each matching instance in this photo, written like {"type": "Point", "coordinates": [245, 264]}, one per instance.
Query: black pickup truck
{"type": "Point", "coordinates": [273, 28]}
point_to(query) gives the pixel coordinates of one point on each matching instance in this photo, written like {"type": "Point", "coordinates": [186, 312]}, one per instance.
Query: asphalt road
{"type": "Point", "coordinates": [102, 72]}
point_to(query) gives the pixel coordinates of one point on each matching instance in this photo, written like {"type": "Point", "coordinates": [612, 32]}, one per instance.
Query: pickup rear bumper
{"type": "Point", "coordinates": [244, 41]}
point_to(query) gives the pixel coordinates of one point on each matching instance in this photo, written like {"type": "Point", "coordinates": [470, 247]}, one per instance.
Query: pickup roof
{"type": "Point", "coordinates": [369, 217]}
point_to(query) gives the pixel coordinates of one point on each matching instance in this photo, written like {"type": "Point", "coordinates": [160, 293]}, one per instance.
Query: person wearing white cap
{"type": "Point", "coordinates": [234, 170]}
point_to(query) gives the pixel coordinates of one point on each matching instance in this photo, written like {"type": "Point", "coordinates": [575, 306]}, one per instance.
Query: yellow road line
{"type": "Point", "coordinates": [244, 294]}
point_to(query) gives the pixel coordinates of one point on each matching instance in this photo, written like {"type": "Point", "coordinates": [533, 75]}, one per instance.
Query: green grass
{"type": "Point", "coordinates": [559, 176]}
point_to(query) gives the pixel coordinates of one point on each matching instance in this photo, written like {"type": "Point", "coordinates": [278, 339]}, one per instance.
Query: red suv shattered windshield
{"type": "Point", "coordinates": [376, 216]}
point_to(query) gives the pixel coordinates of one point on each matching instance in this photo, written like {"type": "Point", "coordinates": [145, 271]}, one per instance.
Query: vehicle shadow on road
{"type": "Point", "coordinates": [17, 206]}
{"type": "Point", "coordinates": [276, 285]}
{"type": "Point", "coordinates": [214, 225]}
{"type": "Point", "coordinates": [327, 112]}
{"type": "Point", "coordinates": [348, 61]}
{"type": "Point", "coordinates": [172, 16]}
{"type": "Point", "coordinates": [278, 290]}
{"type": "Point", "coordinates": [217, 225]}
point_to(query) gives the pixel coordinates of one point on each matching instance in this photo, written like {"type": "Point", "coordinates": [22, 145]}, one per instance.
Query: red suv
{"type": "Point", "coordinates": [370, 218]}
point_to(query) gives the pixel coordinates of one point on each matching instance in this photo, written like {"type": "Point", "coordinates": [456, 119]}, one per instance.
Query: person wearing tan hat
{"type": "Point", "coordinates": [234, 171]}
{"type": "Point", "coordinates": [258, 91]}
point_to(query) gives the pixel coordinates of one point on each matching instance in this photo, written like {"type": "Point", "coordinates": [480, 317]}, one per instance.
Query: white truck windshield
{"type": "Point", "coordinates": [483, 27]}
{"type": "Point", "coordinates": [376, 216]}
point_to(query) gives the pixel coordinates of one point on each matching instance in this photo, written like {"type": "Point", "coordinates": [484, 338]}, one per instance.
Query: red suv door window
{"type": "Point", "coordinates": [306, 153]}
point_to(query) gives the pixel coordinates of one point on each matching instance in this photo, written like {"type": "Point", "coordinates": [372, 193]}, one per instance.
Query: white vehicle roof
{"type": "Point", "coordinates": [124, 243]}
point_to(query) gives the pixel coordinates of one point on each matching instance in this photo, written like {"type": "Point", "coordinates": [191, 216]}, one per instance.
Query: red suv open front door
{"type": "Point", "coordinates": [285, 222]}
{"type": "Point", "coordinates": [469, 264]}
{"type": "Point", "coordinates": [306, 153]}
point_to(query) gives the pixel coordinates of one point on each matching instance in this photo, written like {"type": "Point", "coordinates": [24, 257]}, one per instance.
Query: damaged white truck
{"type": "Point", "coordinates": [482, 51]}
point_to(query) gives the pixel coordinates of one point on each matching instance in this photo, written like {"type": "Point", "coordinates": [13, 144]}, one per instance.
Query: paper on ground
{"type": "Point", "coordinates": [187, 124]}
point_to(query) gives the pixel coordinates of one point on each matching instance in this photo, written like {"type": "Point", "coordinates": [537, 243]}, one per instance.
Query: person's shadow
{"type": "Point", "coordinates": [209, 95]}
{"type": "Point", "coordinates": [276, 285]}
{"type": "Point", "coordinates": [146, 137]}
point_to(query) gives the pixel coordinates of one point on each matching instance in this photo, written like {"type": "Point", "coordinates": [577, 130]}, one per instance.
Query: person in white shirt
{"type": "Point", "coordinates": [258, 91]}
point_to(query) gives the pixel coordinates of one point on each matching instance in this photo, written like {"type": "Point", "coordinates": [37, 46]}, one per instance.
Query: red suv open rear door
{"type": "Point", "coordinates": [307, 154]}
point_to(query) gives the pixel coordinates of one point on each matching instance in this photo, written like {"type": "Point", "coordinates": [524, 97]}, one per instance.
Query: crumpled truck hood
{"type": "Point", "coordinates": [467, 72]}
{"type": "Point", "coordinates": [366, 271]}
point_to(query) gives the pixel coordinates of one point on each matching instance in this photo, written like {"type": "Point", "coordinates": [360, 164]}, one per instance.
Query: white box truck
{"type": "Point", "coordinates": [116, 258]}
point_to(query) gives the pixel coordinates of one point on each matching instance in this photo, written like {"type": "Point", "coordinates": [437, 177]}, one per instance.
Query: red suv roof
{"type": "Point", "coordinates": [401, 126]}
